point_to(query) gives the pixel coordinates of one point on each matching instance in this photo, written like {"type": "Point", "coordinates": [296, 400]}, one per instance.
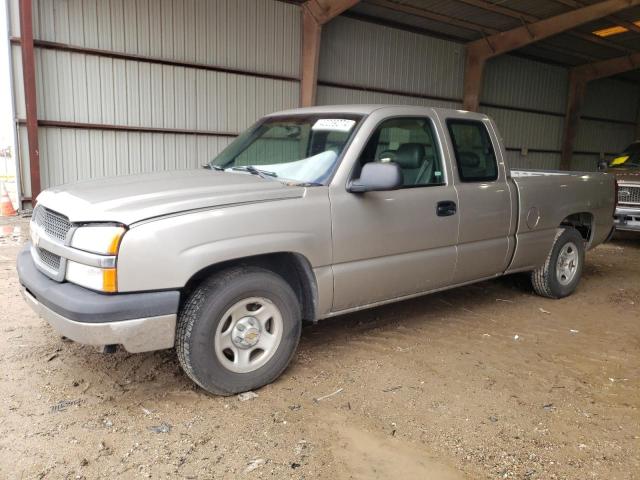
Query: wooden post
{"type": "Point", "coordinates": [315, 13]}
{"type": "Point", "coordinates": [579, 77]}
{"type": "Point", "coordinates": [311, 32]}
{"type": "Point", "coordinates": [575, 100]}
{"type": "Point", "coordinates": [473, 73]}
{"type": "Point", "coordinates": [481, 50]}
{"type": "Point", "coordinates": [29, 76]}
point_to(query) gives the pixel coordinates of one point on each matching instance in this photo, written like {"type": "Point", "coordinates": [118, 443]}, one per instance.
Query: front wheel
{"type": "Point", "coordinates": [561, 272]}
{"type": "Point", "coordinates": [238, 330]}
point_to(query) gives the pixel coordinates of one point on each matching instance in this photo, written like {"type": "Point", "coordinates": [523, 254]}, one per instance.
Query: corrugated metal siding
{"type": "Point", "coordinates": [17, 81]}
{"type": "Point", "coordinates": [517, 82]}
{"type": "Point", "coordinates": [614, 99]}
{"type": "Point", "coordinates": [368, 55]}
{"type": "Point", "coordinates": [596, 136]}
{"type": "Point", "coordinates": [13, 18]}
{"type": "Point", "coordinates": [360, 53]}
{"type": "Point", "coordinates": [530, 130]}
{"type": "Point", "coordinates": [363, 53]}
{"type": "Point", "coordinates": [25, 167]}
{"type": "Point", "coordinates": [80, 154]}
{"type": "Point", "coordinates": [533, 160]}
{"type": "Point", "coordinates": [260, 35]}
{"type": "Point", "coordinates": [84, 88]}
{"type": "Point", "coordinates": [341, 96]}
{"type": "Point", "coordinates": [585, 163]}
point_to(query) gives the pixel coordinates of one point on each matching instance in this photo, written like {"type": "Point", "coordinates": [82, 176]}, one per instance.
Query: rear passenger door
{"type": "Point", "coordinates": [484, 196]}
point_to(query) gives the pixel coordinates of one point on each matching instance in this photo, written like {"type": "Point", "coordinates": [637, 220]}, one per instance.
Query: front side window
{"type": "Point", "coordinates": [409, 142]}
{"type": "Point", "coordinates": [303, 149]}
{"type": "Point", "coordinates": [473, 149]}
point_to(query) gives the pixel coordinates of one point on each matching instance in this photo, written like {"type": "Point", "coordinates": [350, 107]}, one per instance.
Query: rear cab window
{"type": "Point", "coordinates": [474, 152]}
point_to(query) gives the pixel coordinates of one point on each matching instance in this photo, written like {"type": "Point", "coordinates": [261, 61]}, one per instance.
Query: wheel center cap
{"type": "Point", "coordinates": [246, 332]}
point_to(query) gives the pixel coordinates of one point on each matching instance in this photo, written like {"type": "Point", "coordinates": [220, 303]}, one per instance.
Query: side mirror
{"type": "Point", "coordinates": [602, 165]}
{"type": "Point", "coordinates": [376, 177]}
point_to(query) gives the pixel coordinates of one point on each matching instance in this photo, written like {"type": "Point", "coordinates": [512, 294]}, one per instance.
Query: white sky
{"type": "Point", "coordinates": [6, 107]}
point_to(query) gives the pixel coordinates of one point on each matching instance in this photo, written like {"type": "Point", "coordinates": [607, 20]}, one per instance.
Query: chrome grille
{"type": "Point", "coordinates": [629, 194]}
{"type": "Point", "coordinates": [51, 260]}
{"type": "Point", "coordinates": [53, 224]}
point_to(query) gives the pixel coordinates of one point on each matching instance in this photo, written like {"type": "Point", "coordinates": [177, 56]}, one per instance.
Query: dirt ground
{"type": "Point", "coordinates": [486, 381]}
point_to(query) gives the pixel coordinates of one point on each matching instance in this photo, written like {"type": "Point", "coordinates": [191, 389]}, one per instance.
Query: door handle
{"type": "Point", "coordinates": [446, 209]}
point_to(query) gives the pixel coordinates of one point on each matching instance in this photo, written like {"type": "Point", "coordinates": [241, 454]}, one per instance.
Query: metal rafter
{"type": "Point", "coordinates": [315, 13]}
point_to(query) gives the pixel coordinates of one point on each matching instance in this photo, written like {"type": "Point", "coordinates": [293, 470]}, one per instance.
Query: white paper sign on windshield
{"type": "Point", "coordinates": [334, 124]}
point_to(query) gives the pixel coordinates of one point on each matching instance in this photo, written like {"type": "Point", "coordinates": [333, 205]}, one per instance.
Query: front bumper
{"type": "Point", "coordinates": [627, 218]}
{"type": "Point", "coordinates": [140, 322]}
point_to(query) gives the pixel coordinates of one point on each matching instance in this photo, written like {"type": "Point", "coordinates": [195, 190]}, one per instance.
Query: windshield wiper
{"type": "Point", "coordinates": [211, 166]}
{"type": "Point", "coordinates": [308, 184]}
{"type": "Point", "coordinates": [254, 171]}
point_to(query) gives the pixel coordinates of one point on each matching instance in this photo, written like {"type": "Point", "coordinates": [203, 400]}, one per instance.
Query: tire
{"type": "Point", "coordinates": [216, 329]}
{"type": "Point", "coordinates": [554, 281]}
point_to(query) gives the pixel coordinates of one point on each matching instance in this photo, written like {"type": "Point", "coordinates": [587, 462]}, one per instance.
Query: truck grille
{"type": "Point", "coordinates": [51, 260]}
{"type": "Point", "coordinates": [629, 194]}
{"type": "Point", "coordinates": [53, 224]}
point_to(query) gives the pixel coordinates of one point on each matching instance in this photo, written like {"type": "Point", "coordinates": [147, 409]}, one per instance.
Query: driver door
{"type": "Point", "coordinates": [394, 244]}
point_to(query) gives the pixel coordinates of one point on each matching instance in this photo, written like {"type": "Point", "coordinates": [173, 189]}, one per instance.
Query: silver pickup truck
{"type": "Point", "coordinates": [309, 214]}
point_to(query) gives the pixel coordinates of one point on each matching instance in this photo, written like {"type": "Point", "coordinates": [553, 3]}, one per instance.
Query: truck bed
{"type": "Point", "coordinates": [547, 198]}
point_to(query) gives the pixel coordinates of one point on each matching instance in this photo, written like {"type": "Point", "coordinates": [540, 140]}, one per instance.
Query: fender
{"type": "Point", "coordinates": [165, 253]}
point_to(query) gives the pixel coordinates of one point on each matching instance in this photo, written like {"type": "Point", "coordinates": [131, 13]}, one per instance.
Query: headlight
{"type": "Point", "coordinates": [95, 278]}
{"type": "Point", "coordinates": [101, 239]}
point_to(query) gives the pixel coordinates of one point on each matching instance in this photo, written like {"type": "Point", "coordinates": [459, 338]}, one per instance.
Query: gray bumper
{"type": "Point", "coordinates": [627, 218]}
{"type": "Point", "coordinates": [138, 321]}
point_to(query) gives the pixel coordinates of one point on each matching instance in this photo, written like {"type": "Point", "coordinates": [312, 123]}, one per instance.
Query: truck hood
{"type": "Point", "coordinates": [134, 198]}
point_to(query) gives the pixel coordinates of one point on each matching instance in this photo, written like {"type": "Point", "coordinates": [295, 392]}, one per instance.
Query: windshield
{"type": "Point", "coordinates": [303, 149]}
{"type": "Point", "coordinates": [630, 158]}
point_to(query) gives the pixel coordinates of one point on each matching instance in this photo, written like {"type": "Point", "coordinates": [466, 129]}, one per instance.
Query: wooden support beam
{"type": "Point", "coordinates": [525, 17]}
{"type": "Point", "coordinates": [311, 31]}
{"type": "Point", "coordinates": [471, 26]}
{"type": "Point", "coordinates": [473, 73]}
{"type": "Point", "coordinates": [479, 51]}
{"type": "Point", "coordinates": [530, 33]}
{"type": "Point", "coordinates": [579, 77]}
{"type": "Point", "coordinates": [612, 18]}
{"type": "Point", "coordinates": [575, 100]}
{"type": "Point", "coordinates": [608, 68]}
{"type": "Point", "coordinates": [315, 13]}
{"type": "Point", "coordinates": [29, 79]}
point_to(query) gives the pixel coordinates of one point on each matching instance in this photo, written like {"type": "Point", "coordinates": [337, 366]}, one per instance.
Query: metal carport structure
{"type": "Point", "coordinates": [111, 87]}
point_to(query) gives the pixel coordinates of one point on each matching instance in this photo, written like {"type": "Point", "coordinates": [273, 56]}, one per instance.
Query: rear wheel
{"type": "Point", "coordinates": [238, 330]}
{"type": "Point", "coordinates": [561, 272]}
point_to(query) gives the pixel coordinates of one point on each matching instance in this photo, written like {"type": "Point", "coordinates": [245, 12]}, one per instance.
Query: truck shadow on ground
{"type": "Point", "coordinates": [155, 371]}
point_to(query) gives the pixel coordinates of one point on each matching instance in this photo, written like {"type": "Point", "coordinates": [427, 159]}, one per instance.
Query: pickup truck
{"type": "Point", "coordinates": [309, 214]}
{"type": "Point", "coordinates": [626, 168]}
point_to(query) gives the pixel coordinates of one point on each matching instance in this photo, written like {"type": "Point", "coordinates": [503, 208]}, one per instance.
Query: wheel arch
{"type": "Point", "coordinates": [582, 222]}
{"type": "Point", "coordinates": [293, 267]}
